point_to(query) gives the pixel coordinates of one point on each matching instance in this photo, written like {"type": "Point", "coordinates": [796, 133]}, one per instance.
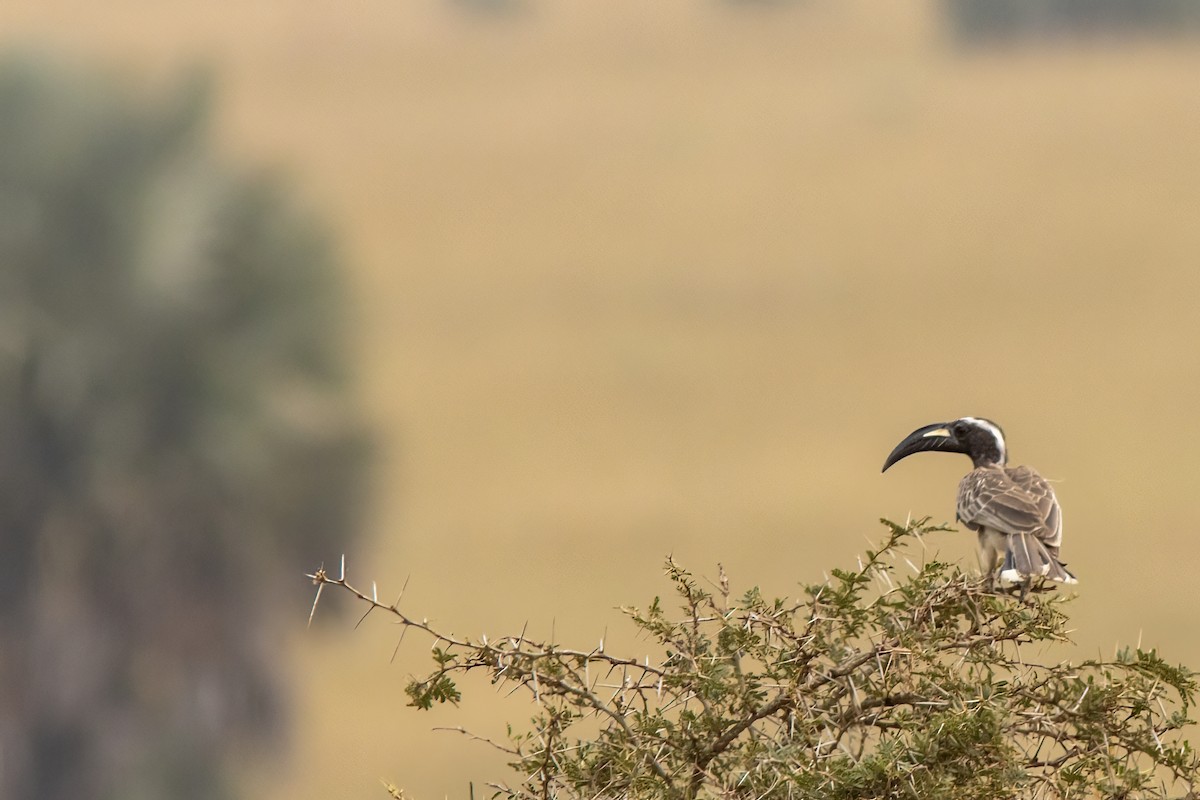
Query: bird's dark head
{"type": "Point", "coordinates": [979, 438]}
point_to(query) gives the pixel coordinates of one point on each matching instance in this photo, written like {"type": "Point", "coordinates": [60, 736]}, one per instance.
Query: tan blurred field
{"type": "Point", "coordinates": [645, 278]}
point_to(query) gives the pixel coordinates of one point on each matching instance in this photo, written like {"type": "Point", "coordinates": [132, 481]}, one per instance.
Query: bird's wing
{"type": "Point", "coordinates": [1011, 500]}
{"type": "Point", "coordinates": [1038, 488]}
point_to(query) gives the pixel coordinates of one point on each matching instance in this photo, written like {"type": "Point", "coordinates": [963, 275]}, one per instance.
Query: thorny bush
{"type": "Point", "coordinates": [887, 681]}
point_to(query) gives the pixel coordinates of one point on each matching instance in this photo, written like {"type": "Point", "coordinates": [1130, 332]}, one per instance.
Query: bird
{"type": "Point", "coordinates": [1013, 510]}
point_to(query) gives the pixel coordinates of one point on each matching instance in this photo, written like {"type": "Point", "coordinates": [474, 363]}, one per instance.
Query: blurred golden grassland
{"type": "Point", "coordinates": [637, 278]}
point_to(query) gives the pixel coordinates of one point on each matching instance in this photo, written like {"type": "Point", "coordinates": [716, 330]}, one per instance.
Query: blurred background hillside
{"type": "Point", "coordinates": [619, 280]}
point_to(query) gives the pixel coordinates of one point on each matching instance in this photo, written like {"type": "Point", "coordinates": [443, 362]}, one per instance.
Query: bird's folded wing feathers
{"type": "Point", "coordinates": [1013, 501]}
{"type": "Point", "coordinates": [1040, 491]}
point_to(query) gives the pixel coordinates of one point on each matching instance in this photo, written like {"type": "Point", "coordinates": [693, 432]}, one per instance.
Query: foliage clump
{"type": "Point", "coordinates": [890, 680]}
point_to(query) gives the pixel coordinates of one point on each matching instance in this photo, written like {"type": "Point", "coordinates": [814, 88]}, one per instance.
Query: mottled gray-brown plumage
{"type": "Point", "coordinates": [1012, 509]}
{"type": "Point", "coordinates": [1018, 519]}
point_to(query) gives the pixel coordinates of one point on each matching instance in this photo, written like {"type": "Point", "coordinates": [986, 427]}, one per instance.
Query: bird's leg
{"type": "Point", "coordinates": [989, 558]}
{"type": "Point", "coordinates": [989, 581]}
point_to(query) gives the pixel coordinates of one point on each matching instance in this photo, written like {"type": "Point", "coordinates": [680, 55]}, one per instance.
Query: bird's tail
{"type": "Point", "coordinates": [1028, 557]}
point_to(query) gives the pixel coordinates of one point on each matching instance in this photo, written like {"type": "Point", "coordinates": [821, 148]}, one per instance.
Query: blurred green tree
{"type": "Point", "coordinates": [176, 436]}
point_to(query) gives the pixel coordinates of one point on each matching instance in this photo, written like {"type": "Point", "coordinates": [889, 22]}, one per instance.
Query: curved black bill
{"type": "Point", "coordinates": [931, 437]}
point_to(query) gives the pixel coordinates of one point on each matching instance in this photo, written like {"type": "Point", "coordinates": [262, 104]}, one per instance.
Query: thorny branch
{"type": "Point", "coordinates": [880, 681]}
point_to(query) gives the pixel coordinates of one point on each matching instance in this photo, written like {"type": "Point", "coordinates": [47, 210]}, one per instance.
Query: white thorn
{"type": "Point", "coordinates": [314, 605]}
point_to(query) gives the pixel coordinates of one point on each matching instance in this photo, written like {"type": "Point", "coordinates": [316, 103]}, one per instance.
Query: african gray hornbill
{"type": "Point", "coordinates": [1013, 509]}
